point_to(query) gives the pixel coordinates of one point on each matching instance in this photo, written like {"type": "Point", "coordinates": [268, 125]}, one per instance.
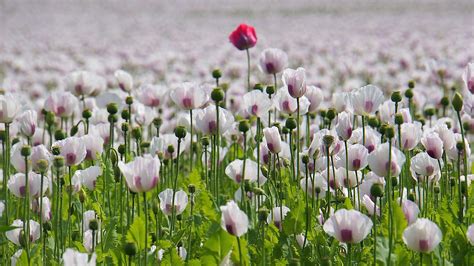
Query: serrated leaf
{"type": "Point", "coordinates": [137, 234]}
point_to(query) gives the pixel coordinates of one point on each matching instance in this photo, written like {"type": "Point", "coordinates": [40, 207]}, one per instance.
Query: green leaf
{"type": "Point", "coordinates": [399, 221]}
{"type": "Point", "coordinates": [6, 228]}
{"type": "Point", "coordinates": [218, 245]}
{"type": "Point", "coordinates": [137, 234]}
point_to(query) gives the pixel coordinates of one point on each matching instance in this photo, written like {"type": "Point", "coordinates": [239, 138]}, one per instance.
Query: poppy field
{"type": "Point", "coordinates": [310, 133]}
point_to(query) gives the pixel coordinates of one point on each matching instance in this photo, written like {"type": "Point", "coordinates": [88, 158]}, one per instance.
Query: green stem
{"type": "Point", "coordinates": [145, 207]}
{"type": "Point", "coordinates": [248, 70]}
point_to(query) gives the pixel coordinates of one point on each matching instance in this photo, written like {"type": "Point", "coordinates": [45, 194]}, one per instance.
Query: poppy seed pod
{"type": "Point", "coordinates": [244, 126]}
{"type": "Point", "coordinates": [258, 86]}
{"type": "Point", "coordinates": [130, 249]}
{"type": "Point", "coordinates": [290, 123]}
{"type": "Point", "coordinates": [216, 73]}
{"type": "Point", "coordinates": [121, 149]}
{"type": "Point", "coordinates": [376, 190]}
{"type": "Point", "coordinates": [205, 141]}
{"type": "Point", "coordinates": [390, 132]}
{"type": "Point", "coordinates": [396, 97]}
{"type": "Point", "coordinates": [42, 165]}
{"type": "Point", "coordinates": [58, 161]}
{"type": "Point", "coordinates": [180, 132]}
{"type": "Point", "coordinates": [112, 108]}
{"type": "Point", "coordinates": [409, 93]}
{"type": "Point", "coordinates": [444, 101]}
{"type": "Point", "coordinates": [129, 100]}
{"type": "Point", "coordinates": [59, 135]}
{"type": "Point", "coordinates": [112, 118]}
{"type": "Point", "coordinates": [398, 119]}
{"type": "Point", "coordinates": [125, 126]}
{"type": "Point", "coordinates": [411, 84]}
{"type": "Point", "coordinates": [26, 150]}
{"type": "Point", "coordinates": [191, 188]}
{"type": "Point", "coordinates": [137, 133]}
{"type": "Point", "coordinates": [93, 225]}
{"type": "Point", "coordinates": [270, 90]}
{"type": "Point", "coordinates": [125, 114]}
{"type": "Point", "coordinates": [157, 122]}
{"type": "Point", "coordinates": [373, 122]}
{"type": "Point", "coordinates": [86, 114]}
{"type": "Point", "coordinates": [328, 140]}
{"type": "Point", "coordinates": [331, 114]}
{"type": "Point", "coordinates": [262, 214]}
{"type": "Point", "coordinates": [217, 94]}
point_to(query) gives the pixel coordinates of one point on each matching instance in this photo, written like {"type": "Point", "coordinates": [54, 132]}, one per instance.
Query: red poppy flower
{"type": "Point", "coordinates": [243, 37]}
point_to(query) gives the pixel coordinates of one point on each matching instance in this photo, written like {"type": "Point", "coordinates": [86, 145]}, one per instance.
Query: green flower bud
{"type": "Point", "coordinates": [157, 122]}
{"type": "Point", "coordinates": [262, 214]}
{"type": "Point", "coordinates": [398, 119]}
{"type": "Point", "coordinates": [42, 165]}
{"type": "Point", "coordinates": [191, 188]}
{"type": "Point", "coordinates": [270, 90]}
{"type": "Point", "coordinates": [291, 123]}
{"type": "Point", "coordinates": [74, 130]}
{"type": "Point", "coordinates": [457, 102]}
{"type": "Point", "coordinates": [170, 149]}
{"type": "Point", "coordinates": [305, 159]}
{"type": "Point", "coordinates": [390, 132]}
{"type": "Point", "coordinates": [411, 84]}
{"type": "Point", "coordinates": [59, 135]}
{"type": "Point", "coordinates": [376, 190]}
{"type": "Point", "coordinates": [49, 118]}
{"type": "Point", "coordinates": [244, 126]}
{"type": "Point", "coordinates": [86, 114]}
{"type": "Point", "coordinates": [112, 108]}
{"type": "Point", "coordinates": [125, 114]}
{"type": "Point", "coordinates": [331, 114]}
{"type": "Point", "coordinates": [444, 101]}
{"type": "Point", "coordinates": [205, 141]}
{"type": "Point", "coordinates": [112, 118]}
{"type": "Point", "coordinates": [460, 146]}
{"type": "Point", "coordinates": [409, 93]}
{"type": "Point", "coordinates": [121, 149]}
{"type": "Point", "coordinates": [217, 94]}
{"type": "Point", "coordinates": [130, 249]}
{"type": "Point", "coordinates": [125, 127]}
{"type": "Point", "coordinates": [373, 122]}
{"type": "Point", "coordinates": [180, 132]}
{"type": "Point", "coordinates": [93, 225]}
{"type": "Point", "coordinates": [25, 151]}
{"type": "Point", "coordinates": [55, 150]}
{"type": "Point", "coordinates": [58, 161]}
{"type": "Point", "coordinates": [328, 140]}
{"type": "Point", "coordinates": [137, 133]}
{"type": "Point", "coordinates": [396, 96]}
{"type": "Point", "coordinates": [216, 74]}
{"type": "Point", "coordinates": [129, 100]}
{"type": "Point", "coordinates": [429, 112]}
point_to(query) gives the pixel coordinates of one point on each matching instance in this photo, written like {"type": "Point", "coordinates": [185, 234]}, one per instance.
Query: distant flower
{"type": "Point", "coordinates": [277, 215]}
{"type": "Point", "coordinates": [357, 157]}
{"type": "Point", "coordinates": [243, 37]}
{"type": "Point", "coordinates": [273, 61]}
{"type": "Point", "coordinates": [124, 80]}
{"type": "Point", "coordinates": [142, 174]}
{"type": "Point", "coordinates": [433, 145]}
{"type": "Point", "coordinates": [348, 226]}
{"type": "Point", "coordinates": [15, 234]}
{"type": "Point", "coordinates": [410, 210]}
{"type": "Point", "coordinates": [94, 145]}
{"type": "Point", "coordinates": [315, 97]}
{"type": "Point", "coordinates": [470, 234]}
{"type": "Point", "coordinates": [166, 201]}
{"type": "Point", "coordinates": [75, 258]}
{"type": "Point", "coordinates": [206, 120]}
{"type": "Point", "coordinates": [366, 100]}
{"type": "Point", "coordinates": [72, 149]}
{"type": "Point", "coordinates": [468, 77]}
{"type": "Point", "coordinates": [422, 236]}
{"type": "Point", "coordinates": [189, 96]}
{"type": "Point", "coordinates": [287, 104]}
{"type": "Point", "coordinates": [17, 186]}
{"type": "Point", "coordinates": [410, 135]}
{"type": "Point", "coordinates": [61, 103]}
{"type": "Point", "coordinates": [233, 220]}
{"type": "Point", "coordinates": [256, 103]}
{"type": "Point", "coordinates": [252, 172]}
{"type": "Point", "coordinates": [344, 125]}
{"type": "Point", "coordinates": [28, 122]}
{"type": "Point", "coordinates": [295, 81]}
{"type": "Point", "coordinates": [273, 139]}
{"type": "Point", "coordinates": [152, 95]}
{"type": "Point", "coordinates": [9, 107]}
{"type": "Point", "coordinates": [380, 164]}
{"type": "Point", "coordinates": [424, 165]}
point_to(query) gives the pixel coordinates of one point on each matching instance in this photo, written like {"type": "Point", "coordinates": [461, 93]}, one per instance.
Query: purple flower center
{"type": "Point", "coordinates": [429, 170]}
{"type": "Point", "coordinates": [61, 110]}
{"type": "Point", "coordinates": [368, 106]}
{"type": "Point", "coordinates": [270, 67]}
{"type": "Point", "coordinates": [424, 245]}
{"type": "Point", "coordinates": [356, 163]}
{"type": "Point", "coordinates": [431, 153]}
{"type": "Point", "coordinates": [254, 109]}
{"type": "Point", "coordinates": [22, 190]}
{"type": "Point", "coordinates": [346, 235]}
{"type": "Point", "coordinates": [212, 125]}
{"type": "Point", "coordinates": [187, 102]}
{"type": "Point", "coordinates": [70, 158]}
{"type": "Point", "coordinates": [286, 106]}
